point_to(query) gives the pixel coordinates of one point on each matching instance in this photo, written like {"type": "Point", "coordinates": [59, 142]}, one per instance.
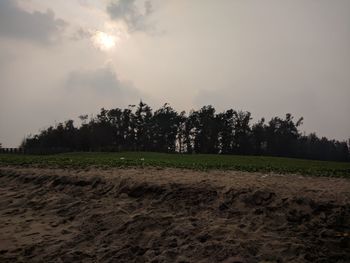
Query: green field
{"type": "Point", "coordinates": [197, 162]}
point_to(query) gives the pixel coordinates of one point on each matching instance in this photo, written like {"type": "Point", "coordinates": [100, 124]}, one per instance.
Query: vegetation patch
{"type": "Point", "coordinates": [196, 161]}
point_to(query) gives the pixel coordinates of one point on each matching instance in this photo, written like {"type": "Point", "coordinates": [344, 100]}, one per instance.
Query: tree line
{"type": "Point", "coordinates": [139, 128]}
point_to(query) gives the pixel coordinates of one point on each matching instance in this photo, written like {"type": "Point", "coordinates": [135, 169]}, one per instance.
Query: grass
{"type": "Point", "coordinates": [197, 162]}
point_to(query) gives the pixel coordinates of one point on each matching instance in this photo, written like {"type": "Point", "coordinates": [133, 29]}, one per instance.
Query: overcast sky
{"type": "Point", "coordinates": [60, 59]}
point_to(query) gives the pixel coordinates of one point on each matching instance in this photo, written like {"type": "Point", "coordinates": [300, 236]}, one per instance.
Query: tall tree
{"type": "Point", "coordinates": [206, 130]}
{"type": "Point", "coordinates": [226, 131]}
{"type": "Point", "coordinates": [242, 131]}
{"type": "Point", "coordinates": [165, 124]}
{"type": "Point", "coordinates": [143, 126]}
{"type": "Point", "coordinates": [181, 135]}
{"type": "Point", "coordinates": [282, 135]}
{"type": "Point", "coordinates": [259, 137]}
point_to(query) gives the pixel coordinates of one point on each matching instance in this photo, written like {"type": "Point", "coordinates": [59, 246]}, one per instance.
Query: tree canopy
{"type": "Point", "coordinates": [139, 128]}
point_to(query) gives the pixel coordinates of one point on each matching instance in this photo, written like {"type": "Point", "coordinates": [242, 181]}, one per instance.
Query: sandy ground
{"type": "Point", "coordinates": [170, 215]}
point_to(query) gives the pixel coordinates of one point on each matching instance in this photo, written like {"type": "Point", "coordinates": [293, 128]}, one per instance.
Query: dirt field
{"type": "Point", "coordinates": [171, 215]}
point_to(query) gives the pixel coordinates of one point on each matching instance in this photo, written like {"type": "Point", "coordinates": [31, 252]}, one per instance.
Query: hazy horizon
{"type": "Point", "coordinates": [60, 59]}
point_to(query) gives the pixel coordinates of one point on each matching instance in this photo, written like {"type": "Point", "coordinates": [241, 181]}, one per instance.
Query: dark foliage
{"type": "Point", "coordinates": [204, 131]}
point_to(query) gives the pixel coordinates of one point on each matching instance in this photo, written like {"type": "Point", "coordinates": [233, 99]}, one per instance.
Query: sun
{"type": "Point", "coordinates": [104, 41]}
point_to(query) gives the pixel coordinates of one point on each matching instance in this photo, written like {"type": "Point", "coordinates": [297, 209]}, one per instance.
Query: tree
{"type": "Point", "coordinates": [226, 131]}
{"type": "Point", "coordinates": [115, 117]}
{"type": "Point", "coordinates": [142, 118]}
{"type": "Point", "coordinates": [181, 131]}
{"type": "Point", "coordinates": [259, 137]}
{"type": "Point", "coordinates": [165, 125]}
{"type": "Point", "coordinates": [205, 130]}
{"type": "Point", "coordinates": [242, 132]}
{"type": "Point", "coordinates": [190, 131]}
{"type": "Point", "coordinates": [129, 129]}
{"type": "Point", "coordinates": [281, 135]}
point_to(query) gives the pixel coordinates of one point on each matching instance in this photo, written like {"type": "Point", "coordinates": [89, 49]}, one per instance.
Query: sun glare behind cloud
{"type": "Point", "coordinates": [104, 41]}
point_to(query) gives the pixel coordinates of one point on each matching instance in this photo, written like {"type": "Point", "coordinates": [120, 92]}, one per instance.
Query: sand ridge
{"type": "Point", "coordinates": [171, 215]}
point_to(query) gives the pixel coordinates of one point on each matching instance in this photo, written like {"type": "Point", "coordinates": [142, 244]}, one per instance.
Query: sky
{"type": "Point", "coordinates": [60, 59]}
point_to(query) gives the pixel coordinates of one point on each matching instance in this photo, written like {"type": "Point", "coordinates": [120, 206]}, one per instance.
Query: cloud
{"type": "Point", "coordinates": [82, 33]}
{"type": "Point", "coordinates": [16, 22]}
{"type": "Point", "coordinates": [87, 91]}
{"type": "Point", "coordinates": [128, 12]}
{"type": "Point", "coordinates": [102, 82]}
